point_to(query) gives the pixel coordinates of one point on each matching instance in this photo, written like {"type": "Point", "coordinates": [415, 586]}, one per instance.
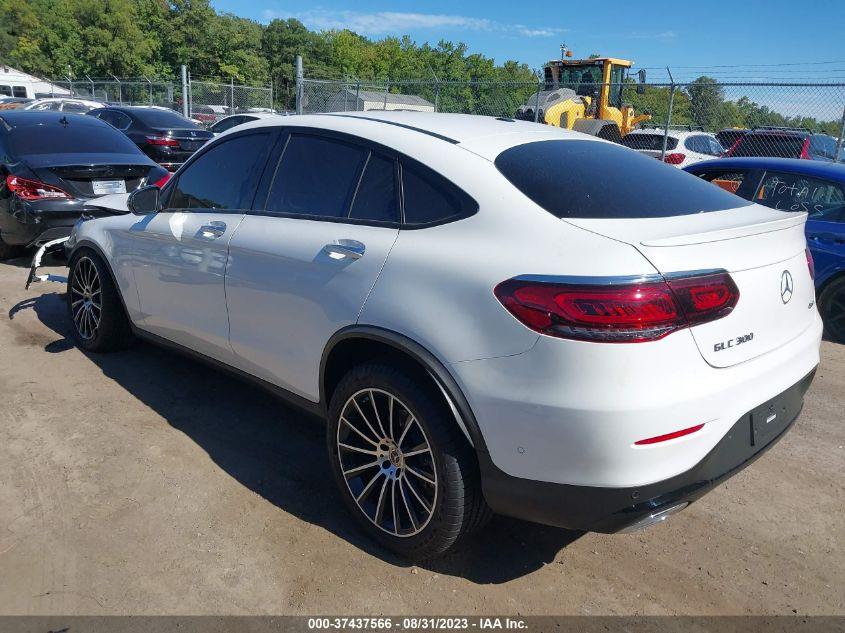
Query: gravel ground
{"type": "Point", "coordinates": [145, 483]}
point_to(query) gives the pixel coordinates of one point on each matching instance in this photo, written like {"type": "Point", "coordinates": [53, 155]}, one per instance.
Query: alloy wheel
{"type": "Point", "coordinates": [86, 298]}
{"type": "Point", "coordinates": [387, 462]}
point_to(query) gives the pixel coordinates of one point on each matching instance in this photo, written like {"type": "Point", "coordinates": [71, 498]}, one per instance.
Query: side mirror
{"type": "Point", "coordinates": [144, 200]}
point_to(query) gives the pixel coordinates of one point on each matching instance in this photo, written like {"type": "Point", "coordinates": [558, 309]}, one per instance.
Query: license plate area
{"type": "Point", "coordinates": [104, 187]}
{"type": "Point", "coordinates": [772, 417]}
{"type": "Point", "coordinates": [190, 146]}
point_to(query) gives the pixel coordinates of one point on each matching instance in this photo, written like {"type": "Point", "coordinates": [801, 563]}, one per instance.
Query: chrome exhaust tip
{"type": "Point", "coordinates": [653, 518]}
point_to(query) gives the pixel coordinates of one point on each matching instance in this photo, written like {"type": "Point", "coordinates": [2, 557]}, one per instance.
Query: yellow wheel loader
{"type": "Point", "coordinates": [585, 95]}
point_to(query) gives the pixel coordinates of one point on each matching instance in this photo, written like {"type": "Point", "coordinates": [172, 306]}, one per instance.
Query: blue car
{"type": "Point", "coordinates": [802, 186]}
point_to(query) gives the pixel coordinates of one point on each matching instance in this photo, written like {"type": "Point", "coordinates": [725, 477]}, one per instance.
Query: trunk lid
{"type": "Point", "coordinates": [190, 139]}
{"type": "Point", "coordinates": [764, 252]}
{"type": "Point", "coordinates": [89, 175]}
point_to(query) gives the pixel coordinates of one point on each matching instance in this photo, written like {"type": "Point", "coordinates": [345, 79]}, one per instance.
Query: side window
{"type": "Point", "coordinates": [429, 197]}
{"type": "Point", "coordinates": [121, 121]}
{"type": "Point", "coordinates": [728, 180]}
{"type": "Point", "coordinates": [716, 148]}
{"type": "Point", "coordinates": [75, 106]}
{"type": "Point", "coordinates": [19, 91]}
{"type": "Point", "coordinates": [316, 176]}
{"type": "Point", "coordinates": [229, 123]}
{"type": "Point", "coordinates": [5, 91]}
{"type": "Point", "coordinates": [795, 192]}
{"type": "Point", "coordinates": [694, 144]}
{"type": "Point", "coordinates": [376, 197]}
{"type": "Point", "coordinates": [224, 177]}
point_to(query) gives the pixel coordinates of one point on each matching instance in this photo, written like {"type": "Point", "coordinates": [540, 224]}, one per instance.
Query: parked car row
{"type": "Point", "coordinates": [688, 145]}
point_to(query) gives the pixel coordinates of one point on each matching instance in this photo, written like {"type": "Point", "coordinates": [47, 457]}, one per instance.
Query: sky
{"type": "Point", "coordinates": [720, 35]}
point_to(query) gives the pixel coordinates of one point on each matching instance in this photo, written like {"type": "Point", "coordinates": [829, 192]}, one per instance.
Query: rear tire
{"type": "Point", "coordinates": [407, 474]}
{"type": "Point", "coordinates": [98, 320]}
{"type": "Point", "coordinates": [832, 309]}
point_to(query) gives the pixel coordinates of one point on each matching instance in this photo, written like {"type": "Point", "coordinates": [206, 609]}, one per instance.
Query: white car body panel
{"type": "Point", "coordinates": [287, 294]}
{"type": "Point", "coordinates": [550, 409]}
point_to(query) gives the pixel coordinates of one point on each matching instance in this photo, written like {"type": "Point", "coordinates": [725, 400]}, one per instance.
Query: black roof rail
{"type": "Point", "coordinates": [397, 124]}
{"type": "Point", "coordinates": [782, 128]}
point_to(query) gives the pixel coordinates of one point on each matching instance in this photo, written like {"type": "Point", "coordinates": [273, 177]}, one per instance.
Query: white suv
{"type": "Point", "coordinates": [491, 315]}
{"type": "Point", "coordinates": [683, 146]}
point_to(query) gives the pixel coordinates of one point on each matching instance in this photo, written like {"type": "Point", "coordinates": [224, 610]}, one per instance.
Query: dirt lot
{"type": "Point", "coordinates": [146, 483]}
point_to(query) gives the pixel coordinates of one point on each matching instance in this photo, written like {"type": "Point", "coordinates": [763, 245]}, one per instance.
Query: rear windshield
{"type": "Point", "coordinates": [591, 179]}
{"type": "Point", "coordinates": [649, 141]}
{"type": "Point", "coordinates": [55, 138]}
{"type": "Point", "coordinates": [774, 145]}
{"type": "Point", "coordinates": [163, 118]}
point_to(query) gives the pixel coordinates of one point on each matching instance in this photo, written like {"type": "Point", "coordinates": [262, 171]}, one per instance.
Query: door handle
{"type": "Point", "coordinates": [212, 230]}
{"type": "Point", "coordinates": [340, 249]}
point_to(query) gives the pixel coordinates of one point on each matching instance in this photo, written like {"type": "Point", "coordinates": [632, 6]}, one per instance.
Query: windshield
{"type": "Point", "coordinates": [649, 141]}
{"type": "Point", "coordinates": [594, 179]}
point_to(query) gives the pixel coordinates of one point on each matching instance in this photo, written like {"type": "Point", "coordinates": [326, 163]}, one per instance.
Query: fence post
{"type": "Point", "coordinates": [841, 134]}
{"type": "Point", "coordinates": [150, 85]}
{"type": "Point", "coordinates": [91, 81]}
{"type": "Point", "coordinates": [386, 90]}
{"type": "Point", "coordinates": [271, 96]}
{"type": "Point", "coordinates": [357, 93]}
{"type": "Point", "coordinates": [70, 84]}
{"type": "Point", "coordinates": [668, 115]}
{"type": "Point", "coordinates": [231, 95]}
{"type": "Point", "coordinates": [299, 84]}
{"type": "Point", "coordinates": [537, 102]}
{"type": "Point", "coordinates": [436, 94]}
{"type": "Point", "coordinates": [185, 109]}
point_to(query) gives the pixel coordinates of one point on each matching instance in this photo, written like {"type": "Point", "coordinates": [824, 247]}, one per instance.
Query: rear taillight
{"type": "Point", "coordinates": [811, 265]}
{"type": "Point", "coordinates": [624, 313]}
{"type": "Point", "coordinates": [26, 189]}
{"type": "Point", "coordinates": [733, 147]}
{"type": "Point", "coordinates": [669, 436]}
{"type": "Point", "coordinates": [805, 150]}
{"type": "Point", "coordinates": [676, 158]}
{"type": "Point", "coordinates": [162, 140]}
{"type": "Point", "coordinates": [163, 180]}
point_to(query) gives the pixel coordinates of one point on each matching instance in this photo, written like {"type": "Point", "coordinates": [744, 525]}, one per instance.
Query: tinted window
{"type": "Point", "coordinates": [428, 197]}
{"type": "Point", "coordinates": [163, 118]}
{"type": "Point", "coordinates": [19, 91]}
{"type": "Point", "coordinates": [824, 146]}
{"type": "Point", "coordinates": [229, 123]}
{"type": "Point", "coordinates": [702, 145]}
{"type": "Point", "coordinates": [224, 177]}
{"type": "Point", "coordinates": [649, 141]}
{"type": "Point", "coordinates": [79, 136]}
{"type": "Point", "coordinates": [727, 180]}
{"type": "Point", "coordinates": [316, 176]}
{"type": "Point", "coordinates": [5, 91]}
{"type": "Point", "coordinates": [591, 179]}
{"type": "Point", "coordinates": [794, 192]}
{"type": "Point", "coordinates": [75, 106]}
{"type": "Point", "coordinates": [376, 197]}
{"type": "Point", "coordinates": [774, 145]}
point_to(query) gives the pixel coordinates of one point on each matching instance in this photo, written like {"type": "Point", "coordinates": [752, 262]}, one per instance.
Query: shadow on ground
{"type": "Point", "coordinates": [279, 453]}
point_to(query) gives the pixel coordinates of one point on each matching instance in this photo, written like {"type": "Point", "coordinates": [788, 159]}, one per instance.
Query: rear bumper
{"type": "Point", "coordinates": [611, 509]}
{"type": "Point", "coordinates": [33, 224]}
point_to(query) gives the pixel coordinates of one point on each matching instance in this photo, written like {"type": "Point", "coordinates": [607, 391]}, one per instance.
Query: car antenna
{"type": "Point", "coordinates": [64, 121]}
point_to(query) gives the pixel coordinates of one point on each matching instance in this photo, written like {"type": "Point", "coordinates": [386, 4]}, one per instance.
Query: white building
{"type": "Point", "coordinates": [16, 83]}
{"type": "Point", "coordinates": [359, 100]}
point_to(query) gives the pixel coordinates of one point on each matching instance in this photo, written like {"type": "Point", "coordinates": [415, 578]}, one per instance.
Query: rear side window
{"type": "Point", "coordinates": [592, 179]}
{"type": "Point", "coordinates": [316, 177]}
{"type": "Point", "coordinates": [19, 91]}
{"type": "Point", "coordinates": [224, 177]}
{"type": "Point", "coordinates": [795, 192]}
{"type": "Point", "coordinates": [429, 198]}
{"type": "Point", "coordinates": [730, 181]}
{"type": "Point", "coordinates": [649, 141]}
{"type": "Point", "coordinates": [5, 91]}
{"type": "Point", "coordinates": [376, 198]}
{"type": "Point", "coordinates": [156, 117]}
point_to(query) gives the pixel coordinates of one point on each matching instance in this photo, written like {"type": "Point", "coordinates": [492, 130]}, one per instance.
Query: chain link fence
{"type": "Point", "coordinates": [744, 119]}
{"type": "Point", "coordinates": [208, 100]}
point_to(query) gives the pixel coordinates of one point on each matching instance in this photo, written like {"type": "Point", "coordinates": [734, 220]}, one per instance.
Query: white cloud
{"type": "Point", "coordinates": [640, 35]}
{"type": "Point", "coordinates": [394, 22]}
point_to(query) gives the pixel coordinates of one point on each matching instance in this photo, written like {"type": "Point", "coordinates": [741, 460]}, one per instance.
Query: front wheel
{"type": "Point", "coordinates": [403, 467]}
{"type": "Point", "coordinates": [99, 322]}
{"type": "Point", "coordinates": [832, 309]}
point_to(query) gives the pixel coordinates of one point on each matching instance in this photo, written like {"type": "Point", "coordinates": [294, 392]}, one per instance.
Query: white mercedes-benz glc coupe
{"type": "Point", "coordinates": [492, 315]}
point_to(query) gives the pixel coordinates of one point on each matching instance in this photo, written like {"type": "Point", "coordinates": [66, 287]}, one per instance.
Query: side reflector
{"type": "Point", "coordinates": [670, 436]}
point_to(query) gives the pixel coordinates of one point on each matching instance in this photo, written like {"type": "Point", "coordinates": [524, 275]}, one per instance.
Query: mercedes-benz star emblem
{"type": "Point", "coordinates": [785, 286]}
